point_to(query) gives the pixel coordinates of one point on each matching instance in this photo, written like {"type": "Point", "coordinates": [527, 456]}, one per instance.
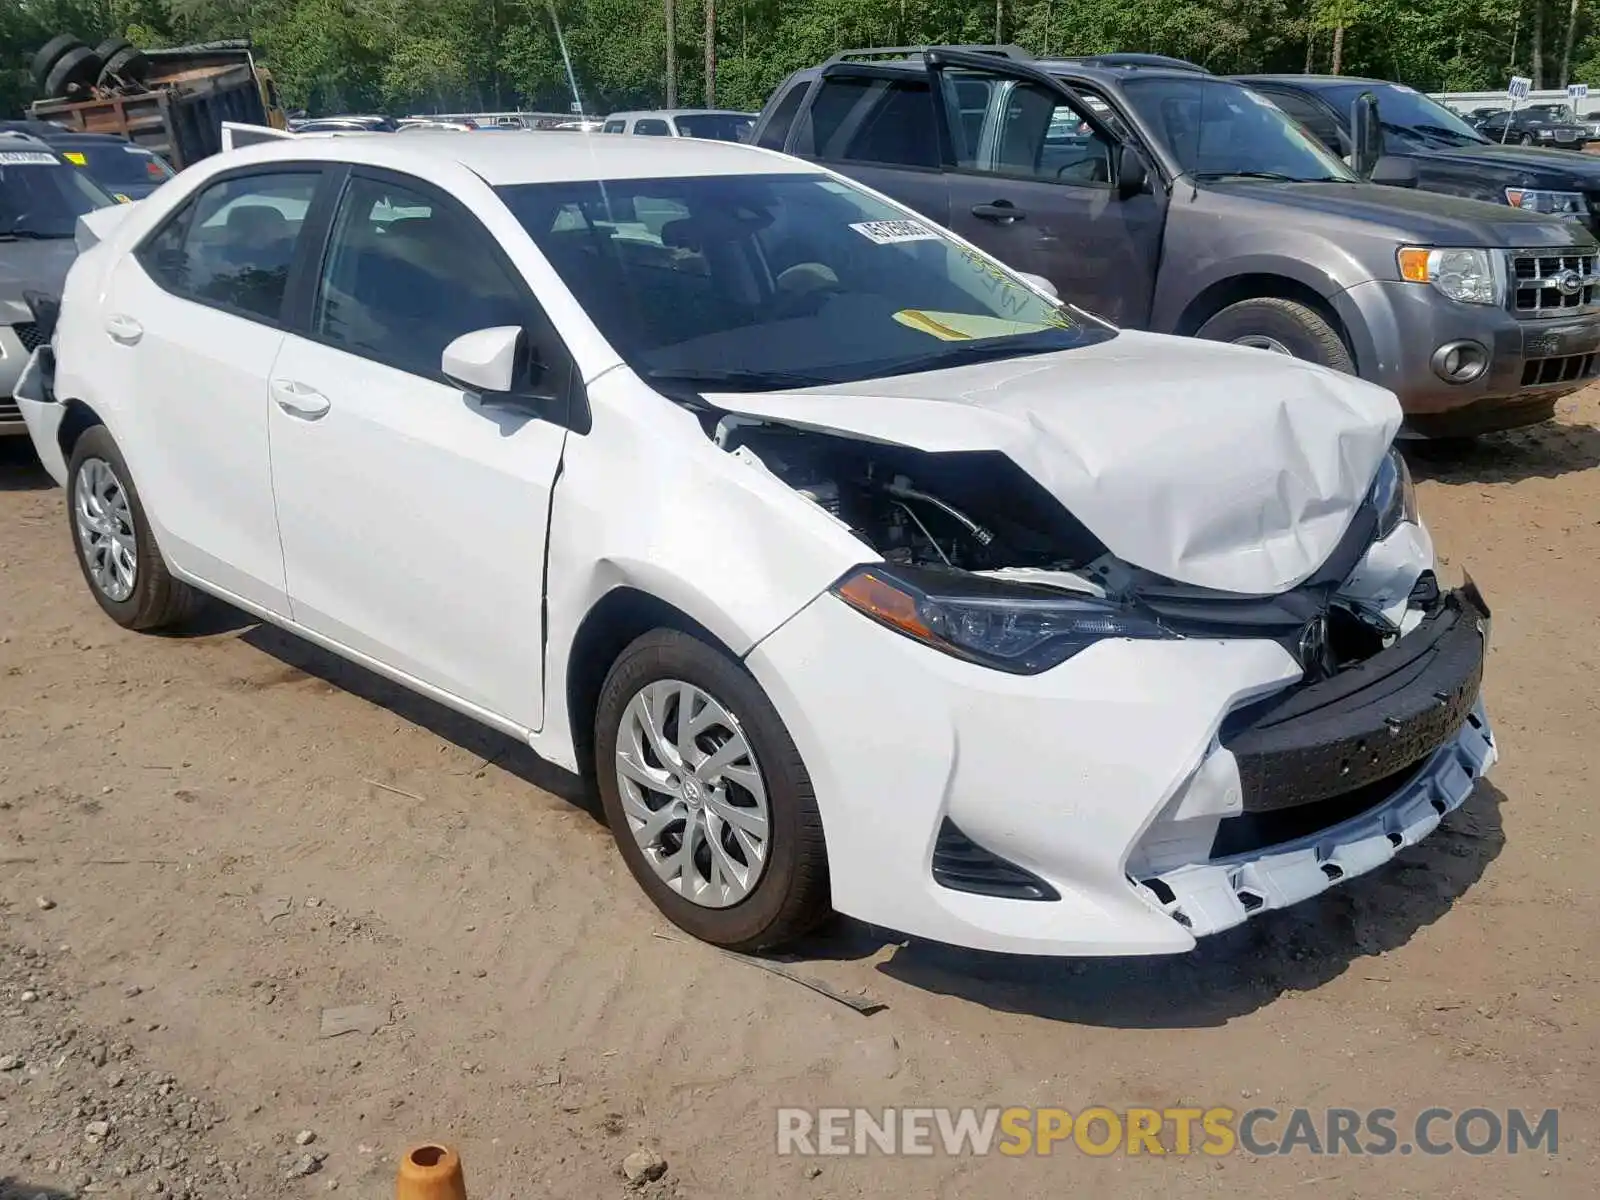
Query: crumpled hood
{"type": "Point", "coordinates": [28, 265]}
{"type": "Point", "coordinates": [1214, 465]}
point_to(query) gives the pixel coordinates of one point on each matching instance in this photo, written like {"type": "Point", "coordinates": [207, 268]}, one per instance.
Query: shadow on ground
{"type": "Point", "coordinates": [1540, 451]}
{"type": "Point", "coordinates": [12, 1188]}
{"type": "Point", "coordinates": [1228, 975]}
{"type": "Point", "coordinates": [493, 747]}
{"type": "Point", "coordinates": [19, 467]}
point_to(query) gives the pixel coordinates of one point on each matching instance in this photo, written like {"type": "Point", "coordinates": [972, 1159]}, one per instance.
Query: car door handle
{"type": "Point", "coordinates": [298, 400]}
{"type": "Point", "coordinates": [124, 330]}
{"type": "Point", "coordinates": [1002, 211]}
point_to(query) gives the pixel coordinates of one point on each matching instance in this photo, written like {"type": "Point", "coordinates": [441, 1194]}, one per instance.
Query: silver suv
{"type": "Point", "coordinates": [41, 198]}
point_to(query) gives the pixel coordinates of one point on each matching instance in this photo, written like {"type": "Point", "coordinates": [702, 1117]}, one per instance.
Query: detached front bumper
{"type": "Point", "coordinates": [1109, 806]}
{"type": "Point", "coordinates": [1398, 328]}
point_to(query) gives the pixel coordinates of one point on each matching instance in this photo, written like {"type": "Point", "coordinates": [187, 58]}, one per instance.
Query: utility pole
{"type": "Point", "coordinates": [999, 22]}
{"type": "Point", "coordinates": [672, 56]}
{"type": "Point", "coordinates": [711, 53]}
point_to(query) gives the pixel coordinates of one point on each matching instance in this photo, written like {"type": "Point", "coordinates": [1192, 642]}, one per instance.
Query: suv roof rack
{"type": "Point", "coordinates": [1129, 60]}
{"type": "Point", "coordinates": [869, 53]}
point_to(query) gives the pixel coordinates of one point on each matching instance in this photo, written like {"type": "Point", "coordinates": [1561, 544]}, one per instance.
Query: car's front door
{"type": "Point", "coordinates": [1033, 180]}
{"type": "Point", "coordinates": [196, 317]}
{"type": "Point", "coordinates": [414, 514]}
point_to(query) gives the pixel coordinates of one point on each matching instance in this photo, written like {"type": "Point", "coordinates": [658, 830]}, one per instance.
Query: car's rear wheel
{"type": "Point", "coordinates": [1282, 327]}
{"type": "Point", "coordinates": [706, 795]}
{"type": "Point", "coordinates": [116, 549]}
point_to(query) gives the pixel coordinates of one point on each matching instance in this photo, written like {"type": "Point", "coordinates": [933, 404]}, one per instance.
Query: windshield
{"type": "Point", "coordinates": [117, 167]}
{"type": "Point", "coordinates": [1408, 115]}
{"type": "Point", "coordinates": [755, 282]}
{"type": "Point", "coordinates": [1220, 130]}
{"type": "Point", "coordinates": [42, 197]}
{"type": "Point", "coordinates": [719, 127]}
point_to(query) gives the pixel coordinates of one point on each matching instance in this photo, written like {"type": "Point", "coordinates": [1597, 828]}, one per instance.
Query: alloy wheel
{"type": "Point", "coordinates": [104, 523]}
{"type": "Point", "coordinates": [693, 793]}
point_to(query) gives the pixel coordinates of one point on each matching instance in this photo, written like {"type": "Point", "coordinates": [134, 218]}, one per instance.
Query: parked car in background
{"type": "Point", "coordinates": [856, 570]}
{"type": "Point", "coordinates": [715, 124]}
{"type": "Point", "coordinates": [127, 171]}
{"type": "Point", "coordinates": [41, 198]}
{"type": "Point", "coordinates": [347, 124]}
{"type": "Point", "coordinates": [1428, 146]}
{"type": "Point", "coordinates": [1478, 116]}
{"type": "Point", "coordinates": [1195, 206]}
{"type": "Point", "coordinates": [1538, 125]}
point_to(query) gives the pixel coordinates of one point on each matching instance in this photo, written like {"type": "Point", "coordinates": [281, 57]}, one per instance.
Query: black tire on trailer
{"type": "Point", "coordinates": [77, 67]}
{"type": "Point", "coordinates": [49, 54]}
{"type": "Point", "coordinates": [128, 63]}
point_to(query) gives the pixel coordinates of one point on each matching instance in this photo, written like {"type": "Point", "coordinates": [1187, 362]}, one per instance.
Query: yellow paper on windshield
{"type": "Point", "coordinates": [961, 327]}
{"type": "Point", "coordinates": [72, 156]}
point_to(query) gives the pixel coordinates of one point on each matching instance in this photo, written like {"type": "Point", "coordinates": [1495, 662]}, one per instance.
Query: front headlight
{"type": "Point", "coordinates": [1009, 626]}
{"type": "Point", "coordinates": [1469, 276]}
{"type": "Point", "coordinates": [1559, 204]}
{"type": "Point", "coordinates": [1393, 494]}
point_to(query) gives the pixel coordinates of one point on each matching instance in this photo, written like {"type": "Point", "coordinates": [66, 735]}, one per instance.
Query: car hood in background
{"type": "Point", "coordinates": [1214, 465]}
{"type": "Point", "coordinates": [34, 265]}
{"type": "Point", "coordinates": [1558, 169]}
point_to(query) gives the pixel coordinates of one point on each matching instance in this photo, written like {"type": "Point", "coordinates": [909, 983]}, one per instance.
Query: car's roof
{"type": "Point", "coordinates": [1317, 81]}
{"type": "Point", "coordinates": [532, 156]}
{"type": "Point", "coordinates": [677, 112]}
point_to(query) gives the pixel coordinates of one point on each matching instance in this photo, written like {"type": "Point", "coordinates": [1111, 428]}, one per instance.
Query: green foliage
{"type": "Point", "coordinates": [438, 55]}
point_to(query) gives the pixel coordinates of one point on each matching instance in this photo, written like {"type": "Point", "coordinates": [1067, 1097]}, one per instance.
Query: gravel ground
{"type": "Point", "coordinates": [236, 833]}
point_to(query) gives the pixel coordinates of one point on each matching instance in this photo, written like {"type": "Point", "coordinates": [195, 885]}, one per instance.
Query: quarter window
{"type": "Point", "coordinates": [776, 132]}
{"type": "Point", "coordinates": [406, 275]}
{"type": "Point", "coordinates": [234, 244]}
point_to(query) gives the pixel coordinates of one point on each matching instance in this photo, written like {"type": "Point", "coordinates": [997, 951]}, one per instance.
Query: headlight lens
{"type": "Point", "coordinates": [1393, 494]}
{"type": "Point", "coordinates": [1470, 276]}
{"type": "Point", "coordinates": [1561, 204]}
{"type": "Point", "coordinates": [1011, 627]}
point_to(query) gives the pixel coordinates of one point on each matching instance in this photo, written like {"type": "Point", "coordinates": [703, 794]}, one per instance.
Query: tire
{"type": "Point", "coordinates": [121, 59]}
{"type": "Point", "coordinates": [49, 54]}
{"type": "Point", "coordinates": [787, 895]}
{"type": "Point", "coordinates": [153, 598]}
{"type": "Point", "coordinates": [76, 68]}
{"type": "Point", "coordinates": [1283, 325]}
{"type": "Point", "coordinates": [1526, 139]}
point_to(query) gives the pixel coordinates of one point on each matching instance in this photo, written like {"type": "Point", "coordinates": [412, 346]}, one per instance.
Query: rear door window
{"type": "Point", "coordinates": [233, 245]}
{"type": "Point", "coordinates": [875, 120]}
{"type": "Point", "coordinates": [651, 127]}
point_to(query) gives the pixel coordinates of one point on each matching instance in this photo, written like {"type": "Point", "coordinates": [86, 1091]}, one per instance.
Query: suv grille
{"type": "Point", "coordinates": [1553, 284]}
{"type": "Point", "coordinates": [28, 334]}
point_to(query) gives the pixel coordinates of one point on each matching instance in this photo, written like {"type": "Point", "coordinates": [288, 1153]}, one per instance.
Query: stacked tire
{"type": "Point", "coordinates": [65, 67]}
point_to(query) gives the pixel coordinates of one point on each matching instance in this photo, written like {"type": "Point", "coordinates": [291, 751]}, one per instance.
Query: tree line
{"type": "Point", "coordinates": [403, 56]}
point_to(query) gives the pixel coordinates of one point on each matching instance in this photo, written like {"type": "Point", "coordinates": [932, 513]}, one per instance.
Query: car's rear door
{"type": "Point", "coordinates": [194, 320]}
{"type": "Point", "coordinates": [1031, 178]}
{"type": "Point", "coordinates": [877, 124]}
{"type": "Point", "coordinates": [413, 515]}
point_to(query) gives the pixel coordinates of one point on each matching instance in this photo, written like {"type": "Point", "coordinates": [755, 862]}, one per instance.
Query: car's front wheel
{"type": "Point", "coordinates": [706, 795]}
{"type": "Point", "coordinates": [1282, 327]}
{"type": "Point", "coordinates": [112, 537]}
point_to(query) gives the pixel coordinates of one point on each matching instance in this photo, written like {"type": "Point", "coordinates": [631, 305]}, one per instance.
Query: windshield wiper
{"type": "Point", "coordinates": [1275, 176]}
{"type": "Point", "coordinates": [739, 381]}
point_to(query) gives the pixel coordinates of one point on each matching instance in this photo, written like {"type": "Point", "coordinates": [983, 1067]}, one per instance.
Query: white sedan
{"type": "Point", "coordinates": [855, 570]}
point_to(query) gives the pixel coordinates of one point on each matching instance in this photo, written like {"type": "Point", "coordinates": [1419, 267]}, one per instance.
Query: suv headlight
{"type": "Point", "coordinates": [1012, 627]}
{"type": "Point", "coordinates": [1560, 204]}
{"type": "Point", "coordinates": [1394, 495]}
{"type": "Point", "coordinates": [1468, 276]}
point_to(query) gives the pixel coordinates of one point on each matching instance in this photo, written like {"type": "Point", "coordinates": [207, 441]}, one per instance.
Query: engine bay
{"type": "Point", "coordinates": [966, 511]}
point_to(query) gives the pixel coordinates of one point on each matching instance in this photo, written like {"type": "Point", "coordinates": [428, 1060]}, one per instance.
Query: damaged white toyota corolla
{"type": "Point", "coordinates": [856, 570]}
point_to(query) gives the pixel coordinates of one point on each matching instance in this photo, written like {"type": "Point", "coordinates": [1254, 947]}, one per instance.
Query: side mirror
{"type": "Point", "coordinates": [487, 361]}
{"type": "Point", "coordinates": [1366, 134]}
{"type": "Point", "coordinates": [1393, 171]}
{"type": "Point", "coordinates": [1132, 174]}
{"type": "Point", "coordinates": [1040, 282]}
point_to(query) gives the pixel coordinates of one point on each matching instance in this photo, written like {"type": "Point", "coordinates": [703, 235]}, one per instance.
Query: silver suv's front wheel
{"type": "Point", "coordinates": [706, 795]}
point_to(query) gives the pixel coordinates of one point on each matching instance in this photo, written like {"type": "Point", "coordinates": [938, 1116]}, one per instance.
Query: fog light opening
{"type": "Point", "coordinates": [1460, 362]}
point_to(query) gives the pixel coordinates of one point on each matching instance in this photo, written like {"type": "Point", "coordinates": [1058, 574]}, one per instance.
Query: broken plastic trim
{"type": "Point", "coordinates": [1209, 897]}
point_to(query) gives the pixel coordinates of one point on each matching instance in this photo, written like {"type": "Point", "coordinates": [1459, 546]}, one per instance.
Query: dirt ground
{"type": "Point", "coordinates": [235, 832]}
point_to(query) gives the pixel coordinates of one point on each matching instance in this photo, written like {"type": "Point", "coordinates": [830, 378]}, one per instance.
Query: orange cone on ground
{"type": "Point", "coordinates": [430, 1172]}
